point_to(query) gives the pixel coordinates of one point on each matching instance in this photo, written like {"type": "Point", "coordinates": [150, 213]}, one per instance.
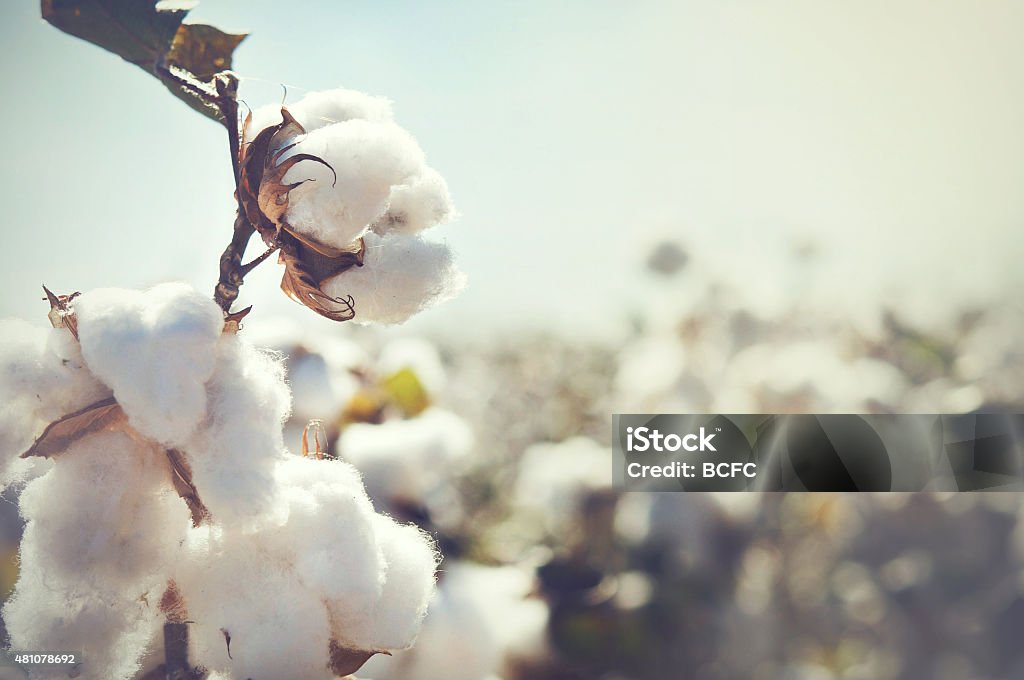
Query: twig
{"type": "Point", "coordinates": [248, 267]}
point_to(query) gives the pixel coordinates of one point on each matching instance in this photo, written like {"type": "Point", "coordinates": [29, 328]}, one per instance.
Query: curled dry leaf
{"type": "Point", "coordinates": [233, 320]}
{"type": "Point", "coordinates": [305, 269]}
{"type": "Point", "coordinates": [345, 660]}
{"type": "Point", "coordinates": [103, 415]}
{"type": "Point", "coordinates": [263, 195]}
{"type": "Point", "coordinates": [61, 314]}
{"type": "Point", "coordinates": [181, 477]}
{"type": "Point", "coordinates": [106, 415]}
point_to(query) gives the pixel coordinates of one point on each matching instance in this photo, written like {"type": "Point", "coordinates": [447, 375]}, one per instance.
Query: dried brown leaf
{"type": "Point", "coordinates": [61, 314]}
{"type": "Point", "coordinates": [181, 477]}
{"type": "Point", "coordinates": [301, 280]}
{"type": "Point", "coordinates": [103, 415]}
{"type": "Point", "coordinates": [233, 320]}
{"type": "Point", "coordinates": [345, 660]}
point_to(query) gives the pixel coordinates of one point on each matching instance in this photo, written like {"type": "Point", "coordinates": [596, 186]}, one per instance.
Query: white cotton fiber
{"type": "Point", "coordinates": [317, 109]}
{"type": "Point", "coordinates": [155, 349]}
{"type": "Point", "coordinates": [409, 584]}
{"type": "Point", "coordinates": [369, 159]}
{"type": "Point", "coordinates": [235, 450]}
{"type": "Point", "coordinates": [112, 630]}
{"type": "Point", "coordinates": [401, 275]}
{"type": "Point", "coordinates": [108, 495]}
{"type": "Point", "coordinates": [417, 205]}
{"type": "Point", "coordinates": [42, 378]}
{"type": "Point", "coordinates": [479, 618]}
{"type": "Point", "coordinates": [407, 459]}
{"type": "Point", "coordinates": [329, 532]}
{"type": "Point", "coordinates": [278, 627]}
{"type": "Point", "coordinates": [103, 526]}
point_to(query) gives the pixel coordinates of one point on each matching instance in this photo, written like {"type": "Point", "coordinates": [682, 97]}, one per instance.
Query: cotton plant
{"type": "Point", "coordinates": [170, 528]}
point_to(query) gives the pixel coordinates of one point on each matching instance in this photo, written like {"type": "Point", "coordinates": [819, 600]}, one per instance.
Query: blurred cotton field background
{"type": "Point", "coordinates": [674, 207]}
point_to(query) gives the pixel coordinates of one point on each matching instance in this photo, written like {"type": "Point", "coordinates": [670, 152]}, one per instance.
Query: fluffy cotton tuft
{"type": "Point", "coordinates": [401, 275]}
{"type": "Point", "coordinates": [336, 568]}
{"type": "Point", "coordinates": [479, 618]}
{"type": "Point", "coordinates": [42, 378]}
{"type": "Point", "coordinates": [233, 584]}
{"type": "Point", "coordinates": [416, 206]}
{"type": "Point", "coordinates": [234, 452]}
{"type": "Point", "coordinates": [396, 617]}
{"type": "Point", "coordinates": [319, 109]}
{"type": "Point", "coordinates": [329, 529]}
{"type": "Point", "coordinates": [369, 159]}
{"type": "Point", "coordinates": [102, 527]}
{"type": "Point", "coordinates": [156, 350]}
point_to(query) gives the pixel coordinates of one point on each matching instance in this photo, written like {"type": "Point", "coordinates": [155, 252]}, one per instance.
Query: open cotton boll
{"type": "Point", "coordinates": [409, 584]}
{"type": "Point", "coordinates": [278, 627]}
{"type": "Point", "coordinates": [234, 453]}
{"type": "Point", "coordinates": [155, 349]}
{"type": "Point", "coordinates": [42, 378]}
{"type": "Point", "coordinates": [368, 159]}
{"type": "Point", "coordinates": [406, 459]}
{"type": "Point", "coordinates": [478, 618]}
{"type": "Point", "coordinates": [401, 275]}
{"type": "Point", "coordinates": [317, 109]}
{"type": "Point", "coordinates": [104, 517]}
{"type": "Point", "coordinates": [416, 206]}
{"type": "Point", "coordinates": [112, 629]}
{"type": "Point", "coordinates": [329, 532]}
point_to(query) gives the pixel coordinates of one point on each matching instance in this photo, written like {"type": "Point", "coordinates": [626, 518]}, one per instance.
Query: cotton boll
{"type": "Point", "coordinates": [329, 531]}
{"type": "Point", "coordinates": [367, 159]}
{"type": "Point", "coordinates": [416, 206]}
{"type": "Point", "coordinates": [396, 617]}
{"type": "Point", "coordinates": [42, 378]}
{"type": "Point", "coordinates": [318, 109]}
{"type": "Point", "coordinates": [478, 618]}
{"type": "Point", "coordinates": [105, 517]}
{"type": "Point", "coordinates": [155, 349]}
{"type": "Point", "coordinates": [407, 459]}
{"type": "Point", "coordinates": [278, 627]}
{"type": "Point", "coordinates": [401, 275]}
{"type": "Point", "coordinates": [235, 451]}
{"type": "Point", "coordinates": [112, 630]}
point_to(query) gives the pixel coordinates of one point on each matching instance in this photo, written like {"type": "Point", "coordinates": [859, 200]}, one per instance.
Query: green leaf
{"type": "Point", "coordinates": [185, 57]}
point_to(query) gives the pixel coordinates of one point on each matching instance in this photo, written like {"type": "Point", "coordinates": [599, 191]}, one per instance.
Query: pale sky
{"type": "Point", "coordinates": [570, 133]}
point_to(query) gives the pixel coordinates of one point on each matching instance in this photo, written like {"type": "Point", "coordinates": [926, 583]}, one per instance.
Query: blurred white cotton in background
{"type": "Point", "coordinates": [407, 459]}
